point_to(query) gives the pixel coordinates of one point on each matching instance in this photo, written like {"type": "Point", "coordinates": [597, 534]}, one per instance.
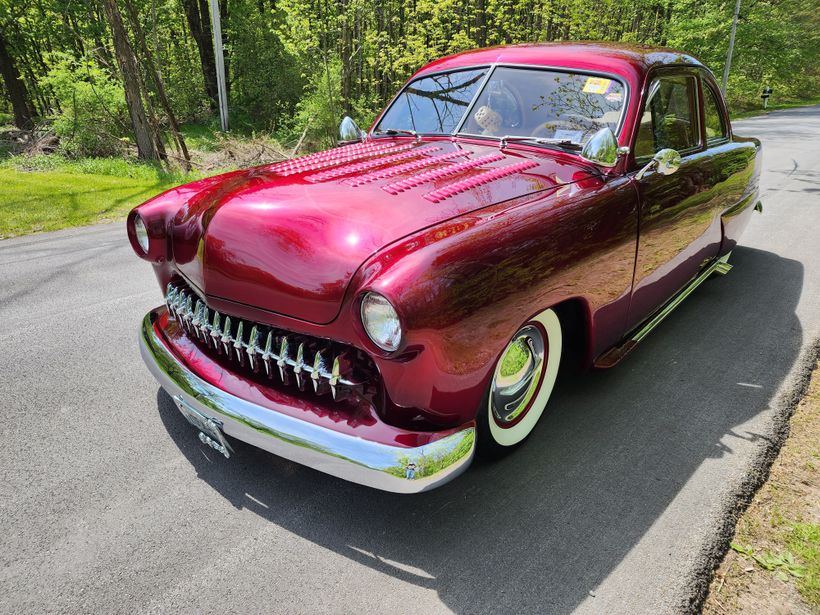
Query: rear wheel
{"type": "Point", "coordinates": [522, 384]}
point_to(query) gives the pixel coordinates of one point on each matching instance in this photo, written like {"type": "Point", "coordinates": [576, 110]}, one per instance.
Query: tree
{"type": "Point", "coordinates": [199, 22]}
{"type": "Point", "coordinates": [15, 88]}
{"type": "Point", "coordinates": [159, 87]}
{"type": "Point", "coordinates": [143, 133]}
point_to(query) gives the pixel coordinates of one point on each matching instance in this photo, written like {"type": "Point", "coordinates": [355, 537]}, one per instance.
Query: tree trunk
{"type": "Point", "coordinates": [146, 148]}
{"type": "Point", "coordinates": [159, 87]}
{"type": "Point", "coordinates": [481, 23]}
{"type": "Point", "coordinates": [345, 52]}
{"type": "Point", "coordinates": [199, 22]}
{"type": "Point", "coordinates": [16, 89]}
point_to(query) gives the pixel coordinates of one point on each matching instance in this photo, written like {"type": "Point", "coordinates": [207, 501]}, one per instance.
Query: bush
{"type": "Point", "coordinates": [92, 117]}
{"type": "Point", "coordinates": [264, 77]}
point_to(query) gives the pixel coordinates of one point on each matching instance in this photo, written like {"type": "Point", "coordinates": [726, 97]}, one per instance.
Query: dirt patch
{"type": "Point", "coordinates": [772, 563]}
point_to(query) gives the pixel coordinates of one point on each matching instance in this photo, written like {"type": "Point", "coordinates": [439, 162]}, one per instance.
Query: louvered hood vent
{"type": "Point", "coordinates": [292, 359]}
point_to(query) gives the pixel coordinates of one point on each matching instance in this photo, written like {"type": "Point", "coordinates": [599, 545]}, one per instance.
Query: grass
{"type": "Point", "coordinates": [202, 137]}
{"type": "Point", "coordinates": [46, 193]}
{"type": "Point", "coordinates": [773, 107]}
{"type": "Point", "coordinates": [774, 562]}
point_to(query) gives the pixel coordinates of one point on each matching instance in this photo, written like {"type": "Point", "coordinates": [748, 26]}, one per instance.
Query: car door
{"type": "Point", "coordinates": [679, 226]}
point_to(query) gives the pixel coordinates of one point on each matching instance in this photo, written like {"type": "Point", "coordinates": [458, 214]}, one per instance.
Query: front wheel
{"type": "Point", "coordinates": [521, 386]}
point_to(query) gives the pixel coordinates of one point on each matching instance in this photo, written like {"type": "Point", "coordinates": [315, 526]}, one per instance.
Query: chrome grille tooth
{"type": "Point", "coordinates": [178, 303]}
{"type": "Point", "coordinates": [216, 332]}
{"type": "Point", "coordinates": [204, 325]}
{"type": "Point", "coordinates": [182, 310]}
{"type": "Point", "coordinates": [282, 361]}
{"type": "Point", "coordinates": [267, 355]}
{"type": "Point", "coordinates": [253, 348]}
{"type": "Point", "coordinates": [238, 343]}
{"type": "Point", "coordinates": [189, 312]}
{"type": "Point", "coordinates": [226, 339]}
{"type": "Point", "coordinates": [170, 300]}
{"type": "Point", "coordinates": [195, 320]}
{"type": "Point", "coordinates": [338, 391]}
{"type": "Point", "coordinates": [320, 375]}
{"type": "Point", "coordinates": [299, 367]}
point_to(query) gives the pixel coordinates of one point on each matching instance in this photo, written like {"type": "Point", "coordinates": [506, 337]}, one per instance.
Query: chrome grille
{"type": "Point", "coordinates": [325, 366]}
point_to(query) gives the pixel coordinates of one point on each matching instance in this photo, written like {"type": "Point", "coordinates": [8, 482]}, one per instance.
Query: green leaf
{"type": "Point", "coordinates": [741, 549]}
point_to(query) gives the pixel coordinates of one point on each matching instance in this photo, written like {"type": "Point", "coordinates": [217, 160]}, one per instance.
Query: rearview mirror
{"type": "Point", "coordinates": [602, 148]}
{"type": "Point", "coordinates": [665, 162]}
{"type": "Point", "coordinates": [349, 131]}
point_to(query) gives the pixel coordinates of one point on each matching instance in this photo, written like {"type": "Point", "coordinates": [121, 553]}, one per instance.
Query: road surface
{"type": "Point", "coordinates": [616, 504]}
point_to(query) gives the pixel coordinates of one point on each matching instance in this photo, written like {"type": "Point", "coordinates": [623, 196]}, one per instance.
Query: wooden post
{"type": "Point", "coordinates": [220, 65]}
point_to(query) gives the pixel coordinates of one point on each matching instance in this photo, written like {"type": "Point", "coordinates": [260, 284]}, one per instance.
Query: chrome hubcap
{"type": "Point", "coordinates": [518, 375]}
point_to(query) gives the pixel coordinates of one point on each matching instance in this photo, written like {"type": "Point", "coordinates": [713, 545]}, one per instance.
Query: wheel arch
{"type": "Point", "coordinates": [576, 323]}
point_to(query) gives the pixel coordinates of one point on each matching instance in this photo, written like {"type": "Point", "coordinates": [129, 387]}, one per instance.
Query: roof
{"type": "Point", "coordinates": [627, 59]}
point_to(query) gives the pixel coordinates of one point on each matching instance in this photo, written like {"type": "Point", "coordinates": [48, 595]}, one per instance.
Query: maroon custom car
{"type": "Point", "coordinates": [381, 310]}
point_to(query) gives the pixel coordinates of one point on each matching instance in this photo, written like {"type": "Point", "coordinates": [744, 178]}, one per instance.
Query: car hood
{"type": "Point", "coordinates": [288, 237]}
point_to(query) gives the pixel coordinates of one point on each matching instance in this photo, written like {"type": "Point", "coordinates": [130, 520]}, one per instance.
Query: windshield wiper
{"type": "Point", "coordinates": [561, 143]}
{"type": "Point", "coordinates": [397, 131]}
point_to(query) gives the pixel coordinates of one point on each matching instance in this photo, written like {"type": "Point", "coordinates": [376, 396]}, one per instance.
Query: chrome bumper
{"type": "Point", "coordinates": [391, 468]}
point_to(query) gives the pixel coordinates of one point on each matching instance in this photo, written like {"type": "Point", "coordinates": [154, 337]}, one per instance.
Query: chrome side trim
{"type": "Point", "coordinates": [720, 266]}
{"type": "Point", "coordinates": [390, 468]}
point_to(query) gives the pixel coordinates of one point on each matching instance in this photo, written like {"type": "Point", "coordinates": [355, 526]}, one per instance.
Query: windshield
{"type": "Point", "coordinates": [513, 102]}
{"type": "Point", "coordinates": [435, 104]}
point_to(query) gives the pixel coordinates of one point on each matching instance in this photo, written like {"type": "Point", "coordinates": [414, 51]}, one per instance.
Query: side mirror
{"type": "Point", "coordinates": [349, 131]}
{"type": "Point", "coordinates": [665, 162]}
{"type": "Point", "coordinates": [602, 148]}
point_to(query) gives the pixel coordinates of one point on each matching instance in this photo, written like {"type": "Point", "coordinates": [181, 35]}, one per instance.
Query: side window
{"type": "Point", "coordinates": [669, 118]}
{"type": "Point", "coordinates": [712, 118]}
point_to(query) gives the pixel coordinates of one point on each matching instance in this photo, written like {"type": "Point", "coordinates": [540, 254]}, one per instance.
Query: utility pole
{"type": "Point", "coordinates": [728, 64]}
{"type": "Point", "coordinates": [219, 59]}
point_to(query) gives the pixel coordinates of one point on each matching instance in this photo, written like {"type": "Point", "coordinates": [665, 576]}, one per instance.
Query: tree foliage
{"type": "Point", "coordinates": [299, 65]}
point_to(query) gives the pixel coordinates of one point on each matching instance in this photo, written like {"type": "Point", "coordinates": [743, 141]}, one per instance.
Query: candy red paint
{"type": "Point", "coordinates": [466, 240]}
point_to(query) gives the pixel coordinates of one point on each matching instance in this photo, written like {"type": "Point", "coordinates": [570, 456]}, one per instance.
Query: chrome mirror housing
{"type": "Point", "coordinates": [349, 131]}
{"type": "Point", "coordinates": [602, 148]}
{"type": "Point", "coordinates": [665, 162]}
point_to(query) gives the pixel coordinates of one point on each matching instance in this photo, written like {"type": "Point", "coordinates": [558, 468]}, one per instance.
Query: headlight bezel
{"type": "Point", "coordinates": [388, 342]}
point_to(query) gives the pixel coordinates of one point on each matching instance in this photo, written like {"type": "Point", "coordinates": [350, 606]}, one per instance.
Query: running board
{"type": "Point", "coordinates": [614, 355]}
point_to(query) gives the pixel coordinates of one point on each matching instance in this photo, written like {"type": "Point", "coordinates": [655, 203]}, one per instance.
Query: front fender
{"type": "Point", "coordinates": [462, 288]}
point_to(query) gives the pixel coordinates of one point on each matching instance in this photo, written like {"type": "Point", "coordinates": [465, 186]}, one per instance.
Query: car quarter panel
{"type": "Point", "coordinates": [739, 163]}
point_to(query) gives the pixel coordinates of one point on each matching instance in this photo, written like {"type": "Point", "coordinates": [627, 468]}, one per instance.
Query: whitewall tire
{"type": "Point", "coordinates": [522, 383]}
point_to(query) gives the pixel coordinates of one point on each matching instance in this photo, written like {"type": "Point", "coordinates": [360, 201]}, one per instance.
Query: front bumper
{"type": "Point", "coordinates": [358, 460]}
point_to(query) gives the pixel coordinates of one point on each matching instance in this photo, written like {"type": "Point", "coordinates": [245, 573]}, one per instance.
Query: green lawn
{"type": "Point", "coordinates": [45, 193]}
{"type": "Point", "coordinates": [33, 201]}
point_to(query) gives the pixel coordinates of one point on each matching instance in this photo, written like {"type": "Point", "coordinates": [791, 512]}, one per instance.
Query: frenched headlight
{"type": "Point", "coordinates": [381, 322]}
{"type": "Point", "coordinates": [142, 233]}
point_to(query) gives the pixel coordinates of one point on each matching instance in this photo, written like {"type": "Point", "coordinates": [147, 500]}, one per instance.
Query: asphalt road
{"type": "Point", "coordinates": [617, 503]}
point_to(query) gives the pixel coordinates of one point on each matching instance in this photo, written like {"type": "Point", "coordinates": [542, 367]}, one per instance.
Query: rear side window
{"type": "Point", "coordinates": [670, 117]}
{"type": "Point", "coordinates": [712, 117]}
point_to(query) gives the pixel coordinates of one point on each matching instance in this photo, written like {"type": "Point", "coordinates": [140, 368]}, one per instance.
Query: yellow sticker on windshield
{"type": "Point", "coordinates": [596, 85]}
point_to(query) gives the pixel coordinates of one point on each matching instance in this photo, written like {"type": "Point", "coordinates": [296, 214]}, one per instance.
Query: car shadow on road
{"type": "Point", "coordinates": [542, 528]}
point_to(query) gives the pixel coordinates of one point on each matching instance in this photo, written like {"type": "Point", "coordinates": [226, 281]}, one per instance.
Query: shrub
{"type": "Point", "coordinates": [91, 117]}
